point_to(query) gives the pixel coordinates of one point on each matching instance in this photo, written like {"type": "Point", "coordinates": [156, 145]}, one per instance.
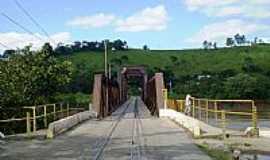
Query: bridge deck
{"type": "Point", "coordinates": [130, 133]}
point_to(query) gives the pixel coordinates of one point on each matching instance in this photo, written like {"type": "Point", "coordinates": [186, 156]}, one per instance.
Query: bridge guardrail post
{"type": "Point", "coordinates": [28, 124]}
{"type": "Point", "coordinates": [34, 120]}
{"type": "Point", "coordinates": [223, 123]}
{"type": "Point", "coordinates": [61, 110]}
{"type": "Point", "coordinates": [67, 109]}
{"type": "Point", "coordinates": [206, 109]}
{"type": "Point", "coordinates": [255, 119]}
{"type": "Point", "coordinates": [182, 106]}
{"type": "Point", "coordinates": [216, 109]}
{"type": "Point", "coordinates": [200, 109]}
{"type": "Point", "coordinates": [193, 108]}
{"type": "Point", "coordinates": [45, 116]}
{"type": "Point", "coordinates": [54, 110]}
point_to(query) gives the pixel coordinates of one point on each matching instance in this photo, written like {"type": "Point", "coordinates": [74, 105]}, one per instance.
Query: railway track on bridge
{"type": "Point", "coordinates": [135, 142]}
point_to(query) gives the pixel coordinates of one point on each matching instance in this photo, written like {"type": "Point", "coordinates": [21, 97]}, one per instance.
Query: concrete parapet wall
{"type": "Point", "coordinates": [188, 122]}
{"type": "Point", "coordinates": [62, 125]}
{"type": "Point", "coordinates": [264, 132]}
{"type": "Point", "coordinates": [195, 126]}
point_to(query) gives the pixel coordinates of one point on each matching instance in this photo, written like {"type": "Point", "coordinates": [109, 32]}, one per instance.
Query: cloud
{"type": "Point", "coordinates": [219, 31]}
{"type": "Point", "coordinates": [149, 19]}
{"type": "Point", "coordinates": [256, 9]}
{"type": "Point", "coordinates": [93, 21]}
{"type": "Point", "coordinates": [19, 40]}
{"type": "Point", "coordinates": [199, 4]}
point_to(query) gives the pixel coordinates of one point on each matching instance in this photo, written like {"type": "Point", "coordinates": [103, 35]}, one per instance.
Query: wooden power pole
{"type": "Point", "coordinates": [106, 78]}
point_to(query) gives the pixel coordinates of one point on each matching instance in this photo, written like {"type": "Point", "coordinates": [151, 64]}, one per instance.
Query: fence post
{"type": "Point", "coordinates": [255, 119]}
{"type": "Point", "coordinates": [223, 123]}
{"type": "Point", "coordinates": [90, 107]}
{"type": "Point", "coordinates": [61, 109]}
{"type": "Point", "coordinates": [216, 109]}
{"type": "Point", "coordinates": [54, 110]}
{"type": "Point", "coordinates": [200, 109]}
{"type": "Point", "coordinates": [34, 120]}
{"type": "Point", "coordinates": [193, 108]}
{"type": "Point", "coordinates": [45, 116]}
{"type": "Point", "coordinates": [28, 124]}
{"type": "Point", "coordinates": [67, 109]}
{"type": "Point", "coordinates": [182, 106]}
{"type": "Point", "coordinates": [206, 108]}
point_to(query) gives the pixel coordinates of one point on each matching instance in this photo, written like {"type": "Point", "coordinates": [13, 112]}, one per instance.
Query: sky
{"type": "Point", "coordinates": [161, 24]}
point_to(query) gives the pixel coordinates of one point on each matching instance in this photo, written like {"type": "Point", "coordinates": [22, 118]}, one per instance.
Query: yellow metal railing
{"type": "Point", "coordinates": [43, 112]}
{"type": "Point", "coordinates": [209, 110]}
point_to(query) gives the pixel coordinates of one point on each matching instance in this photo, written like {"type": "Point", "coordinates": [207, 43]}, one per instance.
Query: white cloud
{"type": "Point", "coordinates": [93, 21]}
{"type": "Point", "coordinates": [219, 31]}
{"type": "Point", "coordinates": [200, 4]}
{"type": "Point", "coordinates": [226, 11]}
{"type": "Point", "coordinates": [258, 9]}
{"type": "Point", "coordinates": [149, 19]}
{"type": "Point", "coordinates": [19, 40]}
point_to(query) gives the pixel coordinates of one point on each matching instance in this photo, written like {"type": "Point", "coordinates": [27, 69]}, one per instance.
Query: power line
{"type": "Point", "coordinates": [33, 20]}
{"type": "Point", "coordinates": [5, 46]}
{"type": "Point", "coordinates": [21, 26]}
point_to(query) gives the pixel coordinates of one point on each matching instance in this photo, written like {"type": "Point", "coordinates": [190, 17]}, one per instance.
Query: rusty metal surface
{"type": "Point", "coordinates": [118, 90]}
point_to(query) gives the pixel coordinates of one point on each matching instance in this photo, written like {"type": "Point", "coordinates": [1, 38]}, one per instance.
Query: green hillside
{"type": "Point", "coordinates": [184, 66]}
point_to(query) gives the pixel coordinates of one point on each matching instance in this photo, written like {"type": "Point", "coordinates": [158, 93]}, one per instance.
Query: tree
{"type": "Point", "coordinates": [8, 53]}
{"type": "Point", "coordinates": [249, 66]}
{"type": "Point", "coordinates": [173, 59]}
{"type": "Point", "coordinates": [215, 45]}
{"type": "Point", "coordinates": [240, 39]}
{"type": "Point", "coordinates": [119, 45]}
{"type": "Point", "coordinates": [240, 86]}
{"type": "Point", "coordinates": [145, 47]}
{"type": "Point", "coordinates": [230, 42]}
{"type": "Point", "coordinates": [32, 77]}
{"type": "Point", "coordinates": [205, 44]}
{"type": "Point", "coordinates": [76, 46]}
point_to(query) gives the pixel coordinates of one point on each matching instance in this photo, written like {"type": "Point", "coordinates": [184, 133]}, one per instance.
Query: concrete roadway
{"type": "Point", "coordinates": [130, 133]}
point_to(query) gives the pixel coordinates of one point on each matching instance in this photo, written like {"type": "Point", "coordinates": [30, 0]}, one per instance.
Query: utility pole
{"type": "Point", "coordinates": [106, 77]}
{"type": "Point", "coordinates": [106, 58]}
{"type": "Point", "coordinates": [110, 71]}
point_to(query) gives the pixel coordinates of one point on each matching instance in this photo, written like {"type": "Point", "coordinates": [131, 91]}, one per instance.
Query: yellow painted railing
{"type": "Point", "coordinates": [213, 110]}
{"type": "Point", "coordinates": [43, 112]}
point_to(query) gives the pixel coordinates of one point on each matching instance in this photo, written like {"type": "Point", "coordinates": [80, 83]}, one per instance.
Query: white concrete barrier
{"type": "Point", "coordinates": [195, 126]}
{"type": "Point", "coordinates": [264, 132]}
{"type": "Point", "coordinates": [62, 125]}
{"type": "Point", "coordinates": [2, 136]}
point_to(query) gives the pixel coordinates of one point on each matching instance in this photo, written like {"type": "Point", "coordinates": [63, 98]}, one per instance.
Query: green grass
{"type": "Point", "coordinates": [216, 154]}
{"type": "Point", "coordinates": [190, 61]}
{"type": "Point", "coordinates": [185, 69]}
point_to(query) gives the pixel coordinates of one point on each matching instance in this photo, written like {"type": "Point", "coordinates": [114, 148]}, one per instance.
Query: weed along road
{"type": "Point", "coordinates": [129, 133]}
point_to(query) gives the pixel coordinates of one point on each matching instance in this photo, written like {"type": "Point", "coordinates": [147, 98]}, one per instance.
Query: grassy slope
{"type": "Point", "coordinates": [192, 61]}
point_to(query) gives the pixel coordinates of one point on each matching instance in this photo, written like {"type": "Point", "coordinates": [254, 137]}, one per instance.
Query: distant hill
{"type": "Point", "coordinates": [182, 66]}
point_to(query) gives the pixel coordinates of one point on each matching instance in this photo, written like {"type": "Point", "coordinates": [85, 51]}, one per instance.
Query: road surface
{"type": "Point", "coordinates": [129, 133]}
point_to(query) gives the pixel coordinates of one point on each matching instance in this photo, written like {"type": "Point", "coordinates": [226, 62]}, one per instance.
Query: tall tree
{"type": "Point", "coordinates": [32, 77]}
{"type": "Point", "coordinates": [230, 42]}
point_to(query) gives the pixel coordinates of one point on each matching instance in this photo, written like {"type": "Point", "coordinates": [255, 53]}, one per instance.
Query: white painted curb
{"type": "Point", "coordinates": [62, 125]}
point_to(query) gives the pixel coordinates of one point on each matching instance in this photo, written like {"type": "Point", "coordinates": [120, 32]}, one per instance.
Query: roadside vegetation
{"type": "Point", "coordinates": [216, 154]}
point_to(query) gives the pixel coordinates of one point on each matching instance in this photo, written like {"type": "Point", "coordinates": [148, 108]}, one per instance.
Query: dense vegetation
{"type": "Point", "coordinates": [35, 77]}
{"type": "Point", "coordinates": [30, 78]}
{"type": "Point", "coordinates": [237, 72]}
